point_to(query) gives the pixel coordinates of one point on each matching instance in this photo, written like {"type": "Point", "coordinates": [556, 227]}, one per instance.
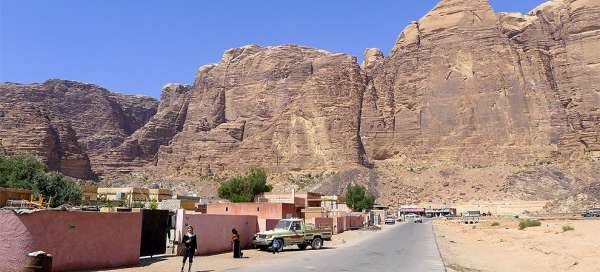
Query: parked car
{"type": "Point", "coordinates": [595, 212]}
{"type": "Point", "coordinates": [413, 218]}
{"type": "Point", "coordinates": [292, 232]}
{"type": "Point", "coordinates": [390, 220]}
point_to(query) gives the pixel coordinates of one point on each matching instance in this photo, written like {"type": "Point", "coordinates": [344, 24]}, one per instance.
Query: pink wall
{"type": "Point", "coordinates": [214, 231]}
{"type": "Point", "coordinates": [262, 211]}
{"type": "Point", "coordinates": [354, 222]}
{"type": "Point", "coordinates": [324, 222]}
{"type": "Point", "coordinates": [77, 240]}
{"type": "Point", "coordinates": [271, 223]}
{"type": "Point", "coordinates": [340, 224]}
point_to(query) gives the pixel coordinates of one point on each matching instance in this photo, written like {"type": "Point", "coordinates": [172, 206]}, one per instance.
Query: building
{"type": "Point", "coordinates": [437, 212]}
{"type": "Point", "coordinates": [159, 194]}
{"type": "Point", "coordinates": [408, 209]}
{"type": "Point", "coordinates": [7, 194]}
{"type": "Point", "coordinates": [89, 193]}
{"type": "Point", "coordinates": [301, 201]}
{"type": "Point", "coordinates": [127, 194]}
{"type": "Point", "coordinates": [263, 211]}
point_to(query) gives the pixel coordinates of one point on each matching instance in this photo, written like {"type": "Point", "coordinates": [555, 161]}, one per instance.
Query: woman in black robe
{"type": "Point", "coordinates": [235, 239]}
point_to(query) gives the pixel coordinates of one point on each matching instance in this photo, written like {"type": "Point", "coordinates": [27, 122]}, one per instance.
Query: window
{"type": "Point", "coordinates": [226, 209]}
{"type": "Point", "coordinates": [296, 226]}
{"type": "Point", "coordinates": [257, 209]}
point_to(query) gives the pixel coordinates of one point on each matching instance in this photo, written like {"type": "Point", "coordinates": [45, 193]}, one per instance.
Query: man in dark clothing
{"type": "Point", "coordinates": [190, 246]}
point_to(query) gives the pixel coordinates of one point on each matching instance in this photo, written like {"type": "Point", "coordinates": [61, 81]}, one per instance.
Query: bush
{"type": "Point", "coordinates": [137, 204]}
{"type": "Point", "coordinates": [245, 188]}
{"type": "Point", "coordinates": [29, 172]}
{"type": "Point", "coordinates": [19, 171]}
{"type": "Point", "coordinates": [529, 223]}
{"type": "Point", "coordinates": [153, 204]}
{"type": "Point", "coordinates": [358, 199]}
{"type": "Point", "coordinates": [495, 224]}
{"type": "Point", "coordinates": [566, 228]}
{"type": "Point", "coordinates": [58, 189]}
{"type": "Point", "coordinates": [105, 202]}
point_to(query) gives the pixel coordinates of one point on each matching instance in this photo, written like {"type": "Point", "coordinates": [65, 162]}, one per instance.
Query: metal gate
{"type": "Point", "coordinates": [155, 226]}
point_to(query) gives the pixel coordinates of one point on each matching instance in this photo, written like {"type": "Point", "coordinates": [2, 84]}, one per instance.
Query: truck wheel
{"type": "Point", "coordinates": [277, 245]}
{"type": "Point", "coordinates": [302, 246]}
{"type": "Point", "coordinates": [316, 243]}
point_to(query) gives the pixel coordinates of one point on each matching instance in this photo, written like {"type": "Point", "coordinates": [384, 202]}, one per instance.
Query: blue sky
{"type": "Point", "coordinates": [138, 46]}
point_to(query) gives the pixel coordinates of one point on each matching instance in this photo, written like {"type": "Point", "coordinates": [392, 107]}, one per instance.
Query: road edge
{"type": "Point", "coordinates": [437, 246]}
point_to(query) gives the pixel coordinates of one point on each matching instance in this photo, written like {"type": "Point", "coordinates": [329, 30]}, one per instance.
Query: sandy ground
{"type": "Point", "coordinates": [468, 248]}
{"type": "Point", "coordinates": [225, 261]}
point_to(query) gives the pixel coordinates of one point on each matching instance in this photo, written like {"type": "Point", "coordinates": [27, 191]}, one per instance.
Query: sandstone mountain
{"type": "Point", "coordinates": [469, 104]}
{"type": "Point", "coordinates": [68, 123]}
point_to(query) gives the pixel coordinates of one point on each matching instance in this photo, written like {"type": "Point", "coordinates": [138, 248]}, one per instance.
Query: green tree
{"type": "Point", "coordinates": [29, 172]}
{"type": "Point", "coordinates": [61, 189]}
{"type": "Point", "coordinates": [19, 171]}
{"type": "Point", "coordinates": [358, 198]}
{"type": "Point", "coordinates": [245, 188]}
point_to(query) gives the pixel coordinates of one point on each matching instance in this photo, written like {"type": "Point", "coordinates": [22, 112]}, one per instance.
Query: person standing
{"type": "Point", "coordinates": [190, 247]}
{"type": "Point", "coordinates": [235, 240]}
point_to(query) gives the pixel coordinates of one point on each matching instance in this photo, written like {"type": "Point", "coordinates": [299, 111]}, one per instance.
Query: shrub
{"type": "Point", "coordinates": [19, 171]}
{"type": "Point", "coordinates": [58, 189]}
{"type": "Point", "coordinates": [137, 204]}
{"type": "Point", "coordinates": [245, 188]}
{"type": "Point", "coordinates": [105, 202]}
{"type": "Point", "coordinates": [153, 204]}
{"type": "Point", "coordinates": [529, 223]}
{"type": "Point", "coordinates": [495, 224]}
{"type": "Point", "coordinates": [566, 228]}
{"type": "Point", "coordinates": [358, 198]}
{"type": "Point", "coordinates": [29, 172]}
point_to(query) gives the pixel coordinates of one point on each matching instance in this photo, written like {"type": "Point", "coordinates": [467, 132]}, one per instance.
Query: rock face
{"type": "Point", "coordinates": [285, 108]}
{"type": "Point", "coordinates": [68, 123]}
{"type": "Point", "coordinates": [467, 85]}
{"type": "Point", "coordinates": [465, 93]}
{"type": "Point", "coordinates": [140, 148]}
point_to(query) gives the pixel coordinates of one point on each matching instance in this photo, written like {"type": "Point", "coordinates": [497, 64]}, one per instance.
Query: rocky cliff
{"type": "Point", "coordinates": [469, 103]}
{"type": "Point", "coordinates": [68, 123]}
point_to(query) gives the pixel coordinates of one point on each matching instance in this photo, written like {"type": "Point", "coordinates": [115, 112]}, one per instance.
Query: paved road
{"type": "Point", "coordinates": [405, 247]}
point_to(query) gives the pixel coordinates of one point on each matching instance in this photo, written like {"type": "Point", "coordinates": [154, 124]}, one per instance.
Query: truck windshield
{"type": "Point", "coordinates": [283, 224]}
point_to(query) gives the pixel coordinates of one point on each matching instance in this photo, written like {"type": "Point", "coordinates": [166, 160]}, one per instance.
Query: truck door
{"type": "Point", "coordinates": [297, 232]}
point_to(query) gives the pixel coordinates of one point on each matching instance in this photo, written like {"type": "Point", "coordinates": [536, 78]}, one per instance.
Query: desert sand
{"type": "Point", "coordinates": [483, 247]}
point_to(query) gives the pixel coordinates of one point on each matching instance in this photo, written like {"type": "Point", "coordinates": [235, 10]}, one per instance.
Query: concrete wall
{"type": "Point", "coordinates": [77, 240]}
{"type": "Point", "coordinates": [213, 232]}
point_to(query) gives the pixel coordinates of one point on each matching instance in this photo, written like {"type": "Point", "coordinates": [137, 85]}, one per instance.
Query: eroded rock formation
{"type": "Point", "coordinates": [285, 108]}
{"type": "Point", "coordinates": [68, 123]}
{"type": "Point", "coordinates": [464, 88]}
